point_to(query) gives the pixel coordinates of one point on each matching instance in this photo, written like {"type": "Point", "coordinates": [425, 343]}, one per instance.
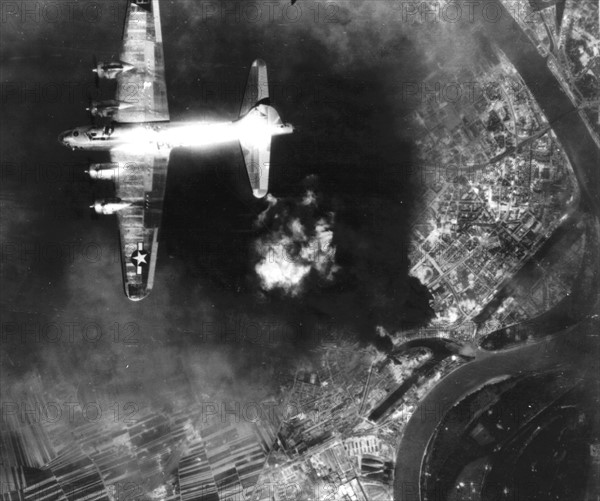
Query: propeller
{"type": "Point", "coordinates": [87, 171]}
{"type": "Point", "coordinates": [93, 214]}
{"type": "Point", "coordinates": [95, 70]}
{"type": "Point", "coordinates": [90, 101]}
{"type": "Point", "coordinates": [94, 193]}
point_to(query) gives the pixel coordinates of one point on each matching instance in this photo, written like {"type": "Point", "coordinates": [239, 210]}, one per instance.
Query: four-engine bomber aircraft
{"type": "Point", "coordinates": [140, 138]}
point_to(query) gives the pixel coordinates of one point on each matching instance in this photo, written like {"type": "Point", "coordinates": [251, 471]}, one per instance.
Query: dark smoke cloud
{"type": "Point", "coordinates": [337, 80]}
{"type": "Point", "coordinates": [337, 74]}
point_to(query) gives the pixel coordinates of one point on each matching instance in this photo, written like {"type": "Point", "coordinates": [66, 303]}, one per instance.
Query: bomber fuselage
{"type": "Point", "coordinates": [168, 134]}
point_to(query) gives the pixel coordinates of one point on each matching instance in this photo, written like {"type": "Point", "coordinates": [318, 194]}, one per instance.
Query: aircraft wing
{"type": "Point", "coordinates": [141, 181]}
{"type": "Point", "coordinates": [142, 88]}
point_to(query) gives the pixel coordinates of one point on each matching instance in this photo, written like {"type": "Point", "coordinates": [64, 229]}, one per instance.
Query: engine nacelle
{"type": "Point", "coordinates": [111, 70]}
{"type": "Point", "coordinates": [108, 206]}
{"type": "Point", "coordinates": [108, 171]}
{"type": "Point", "coordinates": [107, 108]}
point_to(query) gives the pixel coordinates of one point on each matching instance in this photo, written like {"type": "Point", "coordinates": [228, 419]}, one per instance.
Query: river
{"type": "Point", "coordinates": [575, 346]}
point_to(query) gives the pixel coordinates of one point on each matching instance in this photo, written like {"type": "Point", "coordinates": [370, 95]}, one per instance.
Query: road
{"type": "Point", "coordinates": [563, 348]}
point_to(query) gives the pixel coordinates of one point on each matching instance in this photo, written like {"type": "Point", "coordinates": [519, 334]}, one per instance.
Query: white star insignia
{"type": "Point", "coordinates": [140, 257]}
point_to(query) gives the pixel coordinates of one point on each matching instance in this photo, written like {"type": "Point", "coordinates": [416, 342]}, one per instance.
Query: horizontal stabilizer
{"type": "Point", "coordinates": [257, 88]}
{"type": "Point", "coordinates": [257, 165]}
{"type": "Point", "coordinates": [256, 146]}
{"type": "Point", "coordinates": [258, 123]}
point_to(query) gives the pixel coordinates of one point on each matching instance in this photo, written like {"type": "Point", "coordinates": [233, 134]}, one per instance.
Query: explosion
{"type": "Point", "coordinates": [300, 242]}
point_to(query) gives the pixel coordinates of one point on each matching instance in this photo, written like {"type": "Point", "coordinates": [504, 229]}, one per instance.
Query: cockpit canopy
{"type": "Point", "coordinates": [73, 138]}
{"type": "Point", "coordinates": [80, 136]}
{"type": "Point", "coordinates": [98, 133]}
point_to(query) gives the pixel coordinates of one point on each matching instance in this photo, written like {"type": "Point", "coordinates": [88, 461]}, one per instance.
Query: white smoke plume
{"type": "Point", "coordinates": [298, 243]}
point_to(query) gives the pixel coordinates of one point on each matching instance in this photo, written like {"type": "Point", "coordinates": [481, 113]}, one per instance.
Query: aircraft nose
{"type": "Point", "coordinates": [62, 136]}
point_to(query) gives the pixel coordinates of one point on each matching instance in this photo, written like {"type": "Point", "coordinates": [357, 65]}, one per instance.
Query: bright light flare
{"type": "Point", "coordinates": [176, 135]}
{"type": "Point", "coordinates": [254, 129]}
